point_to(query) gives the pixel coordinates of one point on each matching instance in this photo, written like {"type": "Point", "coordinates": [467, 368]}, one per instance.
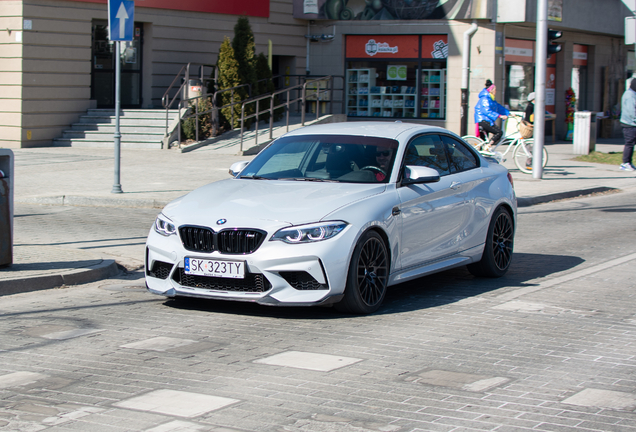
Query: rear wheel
{"type": "Point", "coordinates": [368, 276]}
{"type": "Point", "coordinates": [523, 156]}
{"type": "Point", "coordinates": [498, 248]}
{"type": "Point", "coordinates": [475, 142]}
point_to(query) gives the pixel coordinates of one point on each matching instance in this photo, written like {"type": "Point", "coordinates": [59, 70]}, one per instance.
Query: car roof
{"type": "Point", "coordinates": [379, 129]}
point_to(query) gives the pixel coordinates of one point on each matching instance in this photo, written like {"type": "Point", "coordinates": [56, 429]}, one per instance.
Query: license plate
{"type": "Point", "coordinates": [216, 268]}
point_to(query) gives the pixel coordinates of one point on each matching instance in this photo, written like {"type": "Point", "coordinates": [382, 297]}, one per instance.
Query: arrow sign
{"type": "Point", "coordinates": [122, 16]}
{"type": "Point", "coordinates": [121, 20]}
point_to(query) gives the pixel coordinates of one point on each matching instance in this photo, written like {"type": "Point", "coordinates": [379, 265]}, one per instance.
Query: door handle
{"type": "Point", "coordinates": [396, 211]}
{"type": "Point", "coordinates": [455, 185]}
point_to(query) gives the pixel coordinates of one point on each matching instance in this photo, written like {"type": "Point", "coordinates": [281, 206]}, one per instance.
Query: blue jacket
{"type": "Point", "coordinates": [488, 109]}
{"type": "Point", "coordinates": [628, 108]}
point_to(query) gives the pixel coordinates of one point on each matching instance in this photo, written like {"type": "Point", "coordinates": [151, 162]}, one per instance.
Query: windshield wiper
{"type": "Point", "coordinates": [255, 177]}
{"type": "Point", "coordinates": [311, 179]}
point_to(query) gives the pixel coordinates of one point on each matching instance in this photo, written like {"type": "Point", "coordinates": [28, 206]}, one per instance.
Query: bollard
{"type": "Point", "coordinates": [6, 207]}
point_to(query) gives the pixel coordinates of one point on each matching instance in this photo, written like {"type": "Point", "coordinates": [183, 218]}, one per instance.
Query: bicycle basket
{"type": "Point", "coordinates": [526, 129]}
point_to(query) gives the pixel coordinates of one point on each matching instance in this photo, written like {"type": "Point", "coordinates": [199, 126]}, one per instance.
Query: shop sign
{"type": "Point", "coordinates": [519, 51]}
{"type": "Point", "coordinates": [435, 46]}
{"type": "Point", "coordinates": [579, 56]}
{"type": "Point", "coordinates": [391, 46]}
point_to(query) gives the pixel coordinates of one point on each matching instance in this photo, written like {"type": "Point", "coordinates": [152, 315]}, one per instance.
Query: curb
{"type": "Point", "coordinates": [104, 270]}
{"type": "Point", "coordinates": [527, 202]}
{"type": "Point", "coordinates": [82, 201]}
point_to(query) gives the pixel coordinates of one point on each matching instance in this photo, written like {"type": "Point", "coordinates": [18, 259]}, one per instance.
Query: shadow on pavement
{"type": "Point", "coordinates": [435, 290]}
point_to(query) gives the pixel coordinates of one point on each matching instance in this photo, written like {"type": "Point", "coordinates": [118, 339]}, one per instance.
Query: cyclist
{"type": "Point", "coordinates": [487, 111]}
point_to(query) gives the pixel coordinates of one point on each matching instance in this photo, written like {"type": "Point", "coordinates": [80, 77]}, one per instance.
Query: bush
{"type": "Point", "coordinates": [206, 126]}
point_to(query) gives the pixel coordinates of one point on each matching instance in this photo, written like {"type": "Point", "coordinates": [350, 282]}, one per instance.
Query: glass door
{"type": "Point", "coordinates": [103, 68]}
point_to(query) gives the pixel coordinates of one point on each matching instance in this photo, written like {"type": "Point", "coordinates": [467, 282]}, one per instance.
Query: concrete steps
{"type": "Point", "coordinates": [143, 128]}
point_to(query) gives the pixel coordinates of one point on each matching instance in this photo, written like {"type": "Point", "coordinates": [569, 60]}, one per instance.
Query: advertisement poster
{"type": "Point", "coordinates": [394, 72]}
{"type": "Point", "coordinates": [366, 10]}
{"type": "Point", "coordinates": [555, 10]}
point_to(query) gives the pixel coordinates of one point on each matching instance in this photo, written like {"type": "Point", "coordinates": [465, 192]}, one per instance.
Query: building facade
{"type": "Point", "coordinates": [392, 59]}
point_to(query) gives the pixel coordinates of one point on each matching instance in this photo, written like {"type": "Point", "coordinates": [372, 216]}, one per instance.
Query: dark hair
{"type": "Point", "coordinates": [488, 83]}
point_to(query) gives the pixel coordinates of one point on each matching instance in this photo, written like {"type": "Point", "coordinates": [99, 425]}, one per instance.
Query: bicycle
{"type": "Point", "coordinates": [523, 147]}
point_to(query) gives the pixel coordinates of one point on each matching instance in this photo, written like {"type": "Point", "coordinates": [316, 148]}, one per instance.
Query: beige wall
{"type": "Point", "coordinates": [46, 78]}
{"type": "Point", "coordinates": [10, 73]}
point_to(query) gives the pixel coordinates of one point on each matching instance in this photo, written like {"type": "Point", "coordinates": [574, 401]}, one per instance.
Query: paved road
{"type": "Point", "coordinates": [550, 347]}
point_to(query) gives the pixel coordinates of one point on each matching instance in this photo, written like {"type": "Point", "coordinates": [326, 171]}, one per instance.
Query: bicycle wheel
{"type": "Point", "coordinates": [476, 142]}
{"type": "Point", "coordinates": [523, 156]}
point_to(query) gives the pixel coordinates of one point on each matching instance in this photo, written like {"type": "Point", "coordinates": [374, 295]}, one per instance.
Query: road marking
{"type": "Point", "coordinates": [566, 278]}
{"type": "Point", "coordinates": [176, 403]}
{"type": "Point", "coordinates": [603, 399]}
{"type": "Point", "coordinates": [306, 360]}
{"type": "Point", "coordinates": [16, 379]}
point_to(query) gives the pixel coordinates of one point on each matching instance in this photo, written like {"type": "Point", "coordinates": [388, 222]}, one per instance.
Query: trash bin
{"type": "Point", "coordinates": [584, 137]}
{"type": "Point", "coordinates": [6, 207]}
{"type": "Point", "coordinates": [194, 88]}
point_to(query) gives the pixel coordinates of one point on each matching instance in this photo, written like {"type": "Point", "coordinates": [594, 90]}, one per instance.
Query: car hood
{"type": "Point", "coordinates": [260, 203]}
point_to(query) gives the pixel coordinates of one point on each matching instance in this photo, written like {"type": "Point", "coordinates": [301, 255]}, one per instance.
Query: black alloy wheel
{"type": "Point", "coordinates": [502, 240]}
{"type": "Point", "coordinates": [368, 276]}
{"type": "Point", "coordinates": [497, 255]}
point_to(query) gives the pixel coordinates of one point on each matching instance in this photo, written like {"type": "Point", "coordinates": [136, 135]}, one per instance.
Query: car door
{"type": "Point", "coordinates": [464, 166]}
{"type": "Point", "coordinates": [432, 214]}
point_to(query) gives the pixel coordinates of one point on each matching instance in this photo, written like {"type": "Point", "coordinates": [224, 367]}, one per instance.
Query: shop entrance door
{"type": "Point", "coordinates": [103, 68]}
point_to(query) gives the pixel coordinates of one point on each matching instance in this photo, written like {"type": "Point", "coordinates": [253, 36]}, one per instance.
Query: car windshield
{"type": "Point", "coordinates": [329, 158]}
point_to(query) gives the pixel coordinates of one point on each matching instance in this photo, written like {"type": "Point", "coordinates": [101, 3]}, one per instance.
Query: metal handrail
{"type": "Point", "coordinates": [272, 107]}
{"type": "Point", "coordinates": [184, 74]}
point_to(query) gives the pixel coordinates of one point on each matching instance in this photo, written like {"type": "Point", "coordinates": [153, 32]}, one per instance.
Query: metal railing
{"type": "Point", "coordinates": [184, 75]}
{"type": "Point", "coordinates": [307, 89]}
{"type": "Point", "coordinates": [318, 91]}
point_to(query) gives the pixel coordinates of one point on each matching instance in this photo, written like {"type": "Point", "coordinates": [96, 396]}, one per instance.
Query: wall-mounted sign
{"type": "Point", "coordinates": [579, 55]}
{"type": "Point", "coordinates": [435, 46]}
{"type": "Point", "coordinates": [389, 46]}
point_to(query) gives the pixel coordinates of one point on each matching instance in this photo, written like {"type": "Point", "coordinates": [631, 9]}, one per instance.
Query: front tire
{"type": "Point", "coordinates": [368, 276]}
{"type": "Point", "coordinates": [497, 255]}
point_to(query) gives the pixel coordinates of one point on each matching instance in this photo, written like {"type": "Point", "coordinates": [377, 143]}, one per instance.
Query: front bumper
{"type": "Point", "coordinates": [276, 274]}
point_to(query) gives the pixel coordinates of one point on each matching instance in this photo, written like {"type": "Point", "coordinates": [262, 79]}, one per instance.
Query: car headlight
{"type": "Point", "coordinates": [164, 226]}
{"type": "Point", "coordinates": [309, 233]}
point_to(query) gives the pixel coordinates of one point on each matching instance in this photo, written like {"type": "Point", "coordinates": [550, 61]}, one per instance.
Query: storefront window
{"type": "Point", "coordinates": [381, 89]}
{"type": "Point", "coordinates": [393, 76]}
{"type": "Point", "coordinates": [519, 84]}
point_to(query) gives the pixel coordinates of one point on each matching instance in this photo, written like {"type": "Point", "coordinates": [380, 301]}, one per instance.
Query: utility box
{"type": "Point", "coordinates": [6, 207]}
{"type": "Point", "coordinates": [584, 137]}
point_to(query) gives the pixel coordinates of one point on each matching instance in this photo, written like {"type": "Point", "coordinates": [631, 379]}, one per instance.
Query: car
{"type": "Point", "coordinates": [335, 214]}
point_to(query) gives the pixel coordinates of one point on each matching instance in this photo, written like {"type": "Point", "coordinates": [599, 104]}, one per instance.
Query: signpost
{"type": "Point", "coordinates": [121, 24]}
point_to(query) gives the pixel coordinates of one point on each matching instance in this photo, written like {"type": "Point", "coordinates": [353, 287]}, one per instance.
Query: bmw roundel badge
{"type": "Point", "coordinates": [221, 221]}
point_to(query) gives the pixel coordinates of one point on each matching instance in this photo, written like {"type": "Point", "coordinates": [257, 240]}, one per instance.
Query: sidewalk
{"type": "Point", "coordinates": [152, 178]}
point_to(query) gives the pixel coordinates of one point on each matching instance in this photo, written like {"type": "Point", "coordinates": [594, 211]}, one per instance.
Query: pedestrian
{"type": "Point", "coordinates": [529, 114]}
{"type": "Point", "coordinates": [487, 111]}
{"type": "Point", "coordinates": [628, 122]}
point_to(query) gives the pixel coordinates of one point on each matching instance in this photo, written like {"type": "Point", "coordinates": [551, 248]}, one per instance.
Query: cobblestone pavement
{"type": "Point", "coordinates": [549, 347]}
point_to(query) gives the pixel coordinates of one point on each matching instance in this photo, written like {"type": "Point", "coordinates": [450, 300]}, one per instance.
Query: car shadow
{"type": "Point", "coordinates": [457, 284]}
{"type": "Point", "coordinates": [429, 291]}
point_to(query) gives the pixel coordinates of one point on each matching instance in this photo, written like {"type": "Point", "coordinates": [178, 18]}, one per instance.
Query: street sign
{"type": "Point", "coordinates": [121, 20]}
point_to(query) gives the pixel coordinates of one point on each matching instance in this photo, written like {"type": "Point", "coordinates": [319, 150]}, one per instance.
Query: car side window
{"type": "Point", "coordinates": [461, 158]}
{"type": "Point", "coordinates": [427, 151]}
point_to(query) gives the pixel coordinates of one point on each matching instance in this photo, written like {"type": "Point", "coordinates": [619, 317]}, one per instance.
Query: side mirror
{"type": "Point", "coordinates": [419, 174]}
{"type": "Point", "coordinates": [237, 167]}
